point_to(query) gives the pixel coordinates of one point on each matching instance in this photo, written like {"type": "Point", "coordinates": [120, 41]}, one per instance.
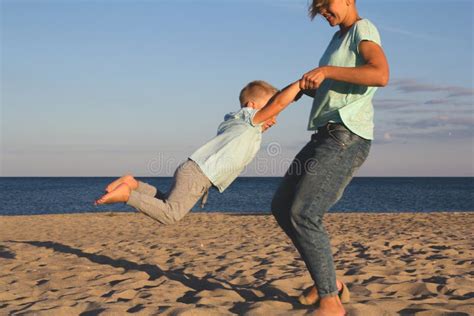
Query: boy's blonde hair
{"type": "Point", "coordinates": [315, 6]}
{"type": "Point", "coordinates": [255, 90]}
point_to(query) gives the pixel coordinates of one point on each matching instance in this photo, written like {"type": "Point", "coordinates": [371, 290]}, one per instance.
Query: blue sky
{"type": "Point", "coordinates": [99, 88]}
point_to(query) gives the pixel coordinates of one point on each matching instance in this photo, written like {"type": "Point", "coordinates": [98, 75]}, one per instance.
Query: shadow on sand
{"type": "Point", "coordinates": [208, 282]}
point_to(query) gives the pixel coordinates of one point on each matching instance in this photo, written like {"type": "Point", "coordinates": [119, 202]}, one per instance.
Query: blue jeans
{"type": "Point", "coordinates": [314, 182]}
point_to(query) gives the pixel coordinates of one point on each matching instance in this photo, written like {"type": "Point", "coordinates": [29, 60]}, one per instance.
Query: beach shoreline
{"type": "Point", "coordinates": [230, 263]}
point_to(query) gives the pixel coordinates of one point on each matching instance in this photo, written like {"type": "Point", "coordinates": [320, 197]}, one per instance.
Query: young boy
{"type": "Point", "coordinates": [217, 163]}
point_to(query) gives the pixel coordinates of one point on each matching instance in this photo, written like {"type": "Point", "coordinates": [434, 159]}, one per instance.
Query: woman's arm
{"type": "Point", "coordinates": [278, 103]}
{"type": "Point", "coordinates": [375, 71]}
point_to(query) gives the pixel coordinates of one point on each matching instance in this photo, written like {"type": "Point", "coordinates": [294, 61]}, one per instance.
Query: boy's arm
{"type": "Point", "coordinates": [278, 103]}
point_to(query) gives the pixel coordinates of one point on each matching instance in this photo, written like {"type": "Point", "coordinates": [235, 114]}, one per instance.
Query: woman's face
{"type": "Point", "coordinates": [335, 11]}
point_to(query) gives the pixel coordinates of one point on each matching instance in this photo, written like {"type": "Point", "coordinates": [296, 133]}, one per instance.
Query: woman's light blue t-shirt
{"type": "Point", "coordinates": [225, 156]}
{"type": "Point", "coordinates": [339, 101]}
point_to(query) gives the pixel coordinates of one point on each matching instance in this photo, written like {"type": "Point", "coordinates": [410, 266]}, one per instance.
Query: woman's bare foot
{"type": "Point", "coordinates": [310, 296]}
{"type": "Point", "coordinates": [127, 179]}
{"type": "Point", "coordinates": [120, 194]}
{"type": "Point", "coordinates": [330, 306]}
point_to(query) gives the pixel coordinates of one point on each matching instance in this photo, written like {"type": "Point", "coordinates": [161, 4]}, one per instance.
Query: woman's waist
{"type": "Point", "coordinates": [336, 130]}
{"type": "Point", "coordinates": [331, 126]}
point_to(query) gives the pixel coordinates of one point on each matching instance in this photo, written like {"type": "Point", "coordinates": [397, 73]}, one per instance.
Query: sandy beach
{"type": "Point", "coordinates": [223, 264]}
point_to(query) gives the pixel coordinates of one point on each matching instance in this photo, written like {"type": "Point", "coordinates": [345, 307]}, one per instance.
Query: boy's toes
{"type": "Point", "coordinates": [127, 179]}
{"type": "Point", "coordinates": [110, 187]}
{"type": "Point", "coordinates": [120, 194]}
{"type": "Point", "coordinates": [103, 199]}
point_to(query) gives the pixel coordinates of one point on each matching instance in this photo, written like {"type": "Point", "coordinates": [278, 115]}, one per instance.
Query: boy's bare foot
{"type": "Point", "coordinates": [127, 179]}
{"type": "Point", "coordinates": [120, 194]}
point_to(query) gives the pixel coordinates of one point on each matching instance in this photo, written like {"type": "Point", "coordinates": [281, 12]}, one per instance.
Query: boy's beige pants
{"type": "Point", "coordinates": [189, 185]}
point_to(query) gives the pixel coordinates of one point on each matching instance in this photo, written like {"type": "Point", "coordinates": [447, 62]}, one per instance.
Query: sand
{"type": "Point", "coordinates": [217, 264]}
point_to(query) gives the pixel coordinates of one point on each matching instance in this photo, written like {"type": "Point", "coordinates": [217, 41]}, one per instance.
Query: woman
{"type": "Point", "coordinates": [343, 85]}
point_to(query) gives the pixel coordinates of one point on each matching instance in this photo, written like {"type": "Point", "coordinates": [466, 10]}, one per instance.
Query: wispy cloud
{"type": "Point", "coordinates": [288, 4]}
{"type": "Point", "coordinates": [437, 121]}
{"type": "Point", "coordinates": [447, 111]}
{"type": "Point", "coordinates": [428, 107]}
{"type": "Point", "coordinates": [421, 97]}
{"type": "Point", "coordinates": [394, 103]}
{"type": "Point", "coordinates": [440, 127]}
{"type": "Point", "coordinates": [407, 33]}
{"type": "Point", "coordinates": [445, 101]}
{"type": "Point", "coordinates": [441, 134]}
{"type": "Point", "coordinates": [293, 4]}
{"type": "Point", "coordinates": [445, 134]}
{"type": "Point", "coordinates": [425, 111]}
{"type": "Point", "coordinates": [413, 86]}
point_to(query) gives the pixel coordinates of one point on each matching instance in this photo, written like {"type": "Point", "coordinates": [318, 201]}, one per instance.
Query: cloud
{"type": "Point", "coordinates": [390, 104]}
{"type": "Point", "coordinates": [443, 127]}
{"type": "Point", "coordinates": [439, 134]}
{"type": "Point", "coordinates": [387, 136]}
{"type": "Point", "coordinates": [446, 133]}
{"type": "Point", "coordinates": [292, 4]}
{"type": "Point", "coordinates": [408, 33]}
{"type": "Point", "coordinates": [299, 5]}
{"type": "Point", "coordinates": [412, 86]}
{"type": "Point", "coordinates": [440, 126]}
{"type": "Point", "coordinates": [439, 120]}
{"type": "Point", "coordinates": [452, 98]}
{"type": "Point", "coordinates": [425, 111]}
{"type": "Point", "coordinates": [427, 107]}
{"type": "Point", "coordinates": [439, 111]}
{"type": "Point", "coordinates": [437, 101]}
{"type": "Point", "coordinates": [445, 101]}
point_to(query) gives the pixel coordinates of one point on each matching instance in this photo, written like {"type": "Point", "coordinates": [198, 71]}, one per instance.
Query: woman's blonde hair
{"type": "Point", "coordinates": [315, 6]}
{"type": "Point", "coordinates": [255, 90]}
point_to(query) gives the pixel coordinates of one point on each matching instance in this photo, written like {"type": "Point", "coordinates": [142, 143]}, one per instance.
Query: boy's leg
{"type": "Point", "coordinates": [188, 186]}
{"type": "Point", "coordinates": [148, 189]}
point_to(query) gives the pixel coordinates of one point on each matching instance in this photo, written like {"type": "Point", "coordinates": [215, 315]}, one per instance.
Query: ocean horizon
{"type": "Point", "coordinates": [65, 195]}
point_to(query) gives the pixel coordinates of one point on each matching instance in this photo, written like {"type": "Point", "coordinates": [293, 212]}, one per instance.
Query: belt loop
{"type": "Point", "coordinates": [204, 198]}
{"type": "Point", "coordinates": [328, 125]}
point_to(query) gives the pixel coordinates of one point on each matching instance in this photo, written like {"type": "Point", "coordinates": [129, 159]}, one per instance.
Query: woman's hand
{"type": "Point", "coordinates": [313, 79]}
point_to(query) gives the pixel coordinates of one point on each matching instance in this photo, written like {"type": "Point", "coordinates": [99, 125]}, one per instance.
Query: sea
{"type": "Point", "coordinates": [60, 195]}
